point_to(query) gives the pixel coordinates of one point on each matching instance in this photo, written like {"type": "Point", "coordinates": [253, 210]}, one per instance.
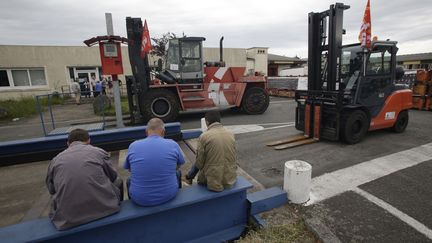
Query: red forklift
{"type": "Point", "coordinates": [183, 82]}
{"type": "Point", "coordinates": [351, 90]}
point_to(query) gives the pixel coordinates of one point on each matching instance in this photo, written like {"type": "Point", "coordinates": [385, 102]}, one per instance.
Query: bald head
{"type": "Point", "coordinates": [155, 127]}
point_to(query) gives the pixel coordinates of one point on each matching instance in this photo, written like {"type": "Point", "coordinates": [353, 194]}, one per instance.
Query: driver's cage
{"type": "Point", "coordinates": [184, 59]}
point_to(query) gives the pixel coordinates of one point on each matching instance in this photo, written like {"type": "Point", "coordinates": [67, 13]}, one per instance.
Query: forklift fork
{"type": "Point", "coordinates": [312, 121]}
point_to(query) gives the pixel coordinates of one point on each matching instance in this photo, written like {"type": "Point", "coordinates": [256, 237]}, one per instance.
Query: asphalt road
{"type": "Point", "coordinates": [384, 192]}
{"type": "Point", "coordinates": [281, 110]}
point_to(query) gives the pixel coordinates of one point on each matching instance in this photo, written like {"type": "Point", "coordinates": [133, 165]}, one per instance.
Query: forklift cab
{"type": "Point", "coordinates": [184, 59]}
{"type": "Point", "coordinates": [369, 83]}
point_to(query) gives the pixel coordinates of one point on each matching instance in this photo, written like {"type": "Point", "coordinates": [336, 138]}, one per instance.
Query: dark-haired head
{"type": "Point", "coordinates": [80, 135]}
{"type": "Point", "coordinates": [212, 117]}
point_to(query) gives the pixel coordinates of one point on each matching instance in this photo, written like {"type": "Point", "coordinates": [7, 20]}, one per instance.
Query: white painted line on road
{"type": "Point", "coordinates": [282, 101]}
{"type": "Point", "coordinates": [276, 127]}
{"type": "Point", "coordinates": [336, 182]}
{"type": "Point", "coordinates": [396, 212]}
{"type": "Point", "coordinates": [274, 123]}
{"type": "Point", "coordinates": [238, 129]}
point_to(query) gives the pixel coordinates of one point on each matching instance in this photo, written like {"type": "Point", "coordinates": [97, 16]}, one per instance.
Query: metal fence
{"type": "Point", "coordinates": [45, 102]}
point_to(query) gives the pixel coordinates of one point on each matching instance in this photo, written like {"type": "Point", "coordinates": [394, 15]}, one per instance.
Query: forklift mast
{"type": "Point", "coordinates": [140, 66]}
{"type": "Point", "coordinates": [318, 108]}
{"type": "Point", "coordinates": [319, 42]}
{"type": "Point", "coordinates": [138, 84]}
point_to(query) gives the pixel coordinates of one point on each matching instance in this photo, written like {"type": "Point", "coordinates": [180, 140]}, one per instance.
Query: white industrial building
{"type": "Point", "coordinates": [34, 70]}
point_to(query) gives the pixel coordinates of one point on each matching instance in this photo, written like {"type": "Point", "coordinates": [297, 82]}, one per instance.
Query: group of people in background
{"type": "Point", "coordinates": [85, 185]}
{"type": "Point", "coordinates": [93, 86]}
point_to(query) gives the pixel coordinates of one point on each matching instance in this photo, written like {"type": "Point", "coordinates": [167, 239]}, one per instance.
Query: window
{"type": "Point", "coordinates": [110, 50]}
{"type": "Point", "coordinates": [191, 65]}
{"type": "Point", "coordinates": [37, 77]}
{"type": "Point", "coordinates": [387, 61]}
{"type": "Point", "coordinates": [190, 49]}
{"type": "Point", "coordinates": [172, 58]}
{"type": "Point", "coordinates": [4, 80]}
{"type": "Point", "coordinates": [22, 77]}
{"type": "Point", "coordinates": [71, 73]}
{"type": "Point", "coordinates": [379, 63]}
{"type": "Point", "coordinates": [351, 62]}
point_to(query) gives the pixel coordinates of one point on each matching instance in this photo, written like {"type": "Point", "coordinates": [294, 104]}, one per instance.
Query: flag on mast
{"type": "Point", "coordinates": [365, 36]}
{"type": "Point", "coordinates": [145, 40]}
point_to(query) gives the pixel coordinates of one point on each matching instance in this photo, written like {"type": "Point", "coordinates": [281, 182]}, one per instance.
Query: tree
{"type": "Point", "coordinates": [159, 44]}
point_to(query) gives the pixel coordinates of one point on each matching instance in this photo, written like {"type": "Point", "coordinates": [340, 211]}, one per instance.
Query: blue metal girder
{"type": "Point", "coordinates": [266, 199]}
{"type": "Point", "coordinates": [45, 148]}
{"type": "Point", "coordinates": [194, 215]}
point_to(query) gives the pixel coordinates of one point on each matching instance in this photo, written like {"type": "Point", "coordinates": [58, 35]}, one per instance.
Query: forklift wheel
{"type": "Point", "coordinates": [255, 101]}
{"type": "Point", "coordinates": [401, 122]}
{"type": "Point", "coordinates": [160, 103]}
{"type": "Point", "coordinates": [354, 126]}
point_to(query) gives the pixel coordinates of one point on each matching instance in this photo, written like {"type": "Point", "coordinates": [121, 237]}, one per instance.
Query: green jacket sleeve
{"type": "Point", "coordinates": [200, 155]}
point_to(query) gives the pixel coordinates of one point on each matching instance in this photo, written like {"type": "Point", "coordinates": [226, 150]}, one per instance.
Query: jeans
{"type": "Point", "coordinates": [178, 175]}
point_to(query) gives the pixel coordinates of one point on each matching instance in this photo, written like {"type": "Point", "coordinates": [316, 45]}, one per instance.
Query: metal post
{"type": "Point", "coordinates": [117, 102]}
{"type": "Point", "coordinates": [358, 90]}
{"type": "Point", "coordinates": [103, 113]}
{"type": "Point", "coordinates": [116, 90]}
{"type": "Point", "coordinates": [109, 24]}
{"type": "Point", "coordinates": [40, 115]}
{"type": "Point", "coordinates": [50, 110]}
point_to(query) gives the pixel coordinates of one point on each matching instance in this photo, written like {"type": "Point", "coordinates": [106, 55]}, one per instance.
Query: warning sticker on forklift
{"type": "Point", "coordinates": [212, 95]}
{"type": "Point", "coordinates": [389, 115]}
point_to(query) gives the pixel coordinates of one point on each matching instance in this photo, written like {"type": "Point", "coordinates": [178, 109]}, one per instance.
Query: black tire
{"type": "Point", "coordinates": [354, 126]}
{"type": "Point", "coordinates": [160, 103]}
{"type": "Point", "coordinates": [255, 101]}
{"type": "Point", "coordinates": [401, 122]}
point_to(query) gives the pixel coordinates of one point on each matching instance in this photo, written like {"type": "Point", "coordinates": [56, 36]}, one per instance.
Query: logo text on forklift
{"type": "Point", "coordinates": [389, 115]}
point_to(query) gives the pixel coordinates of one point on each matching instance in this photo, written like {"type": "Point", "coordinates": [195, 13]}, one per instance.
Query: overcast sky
{"type": "Point", "coordinates": [279, 25]}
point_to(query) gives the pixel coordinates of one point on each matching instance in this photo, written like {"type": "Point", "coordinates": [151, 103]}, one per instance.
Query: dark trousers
{"type": "Point", "coordinates": [178, 175]}
{"type": "Point", "coordinates": [192, 172]}
{"type": "Point", "coordinates": [119, 184]}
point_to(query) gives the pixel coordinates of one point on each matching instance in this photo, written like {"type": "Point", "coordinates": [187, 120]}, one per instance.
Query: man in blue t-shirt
{"type": "Point", "coordinates": [98, 89]}
{"type": "Point", "coordinates": [153, 163]}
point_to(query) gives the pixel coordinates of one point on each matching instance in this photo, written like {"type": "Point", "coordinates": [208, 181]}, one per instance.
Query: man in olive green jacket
{"type": "Point", "coordinates": [216, 156]}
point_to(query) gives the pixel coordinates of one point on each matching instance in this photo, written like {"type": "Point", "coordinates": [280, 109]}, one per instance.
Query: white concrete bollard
{"type": "Point", "coordinates": [203, 125]}
{"type": "Point", "coordinates": [297, 180]}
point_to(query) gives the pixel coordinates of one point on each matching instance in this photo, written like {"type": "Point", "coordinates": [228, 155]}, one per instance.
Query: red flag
{"type": "Point", "coordinates": [365, 36]}
{"type": "Point", "coordinates": [145, 41]}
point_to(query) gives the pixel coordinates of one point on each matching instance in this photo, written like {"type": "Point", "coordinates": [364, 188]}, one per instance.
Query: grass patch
{"type": "Point", "coordinates": [26, 107]}
{"type": "Point", "coordinates": [110, 111]}
{"type": "Point", "coordinates": [296, 232]}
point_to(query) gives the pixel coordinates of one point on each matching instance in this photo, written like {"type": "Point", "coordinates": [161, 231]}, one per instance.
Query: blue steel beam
{"type": "Point", "coordinates": [194, 215]}
{"type": "Point", "coordinates": [266, 199]}
{"type": "Point", "coordinates": [45, 148]}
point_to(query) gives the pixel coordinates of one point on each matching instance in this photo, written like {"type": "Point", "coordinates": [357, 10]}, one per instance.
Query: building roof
{"type": "Point", "coordinates": [278, 58]}
{"type": "Point", "coordinates": [414, 57]}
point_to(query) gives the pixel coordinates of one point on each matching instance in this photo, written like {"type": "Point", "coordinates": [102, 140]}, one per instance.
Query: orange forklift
{"type": "Point", "coordinates": [351, 90]}
{"type": "Point", "coordinates": [187, 83]}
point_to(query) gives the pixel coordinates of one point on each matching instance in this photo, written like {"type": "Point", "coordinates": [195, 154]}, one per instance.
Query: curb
{"type": "Point", "coordinates": [322, 232]}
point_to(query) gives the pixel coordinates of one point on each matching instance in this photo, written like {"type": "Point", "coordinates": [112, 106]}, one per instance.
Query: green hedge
{"type": "Point", "coordinates": [26, 107]}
